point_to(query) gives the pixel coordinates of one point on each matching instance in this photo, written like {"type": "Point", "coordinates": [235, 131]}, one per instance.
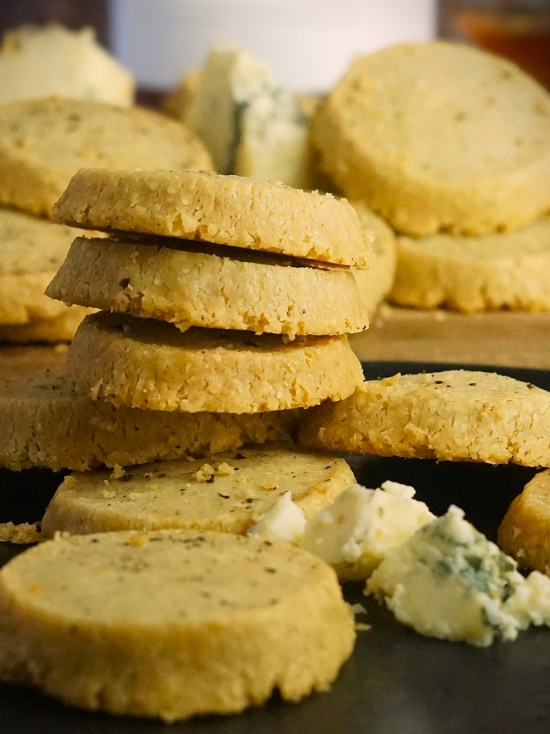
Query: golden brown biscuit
{"type": "Point", "coordinates": [48, 421]}
{"type": "Point", "coordinates": [150, 364]}
{"type": "Point", "coordinates": [416, 132]}
{"type": "Point", "coordinates": [229, 492]}
{"type": "Point", "coordinates": [212, 287]}
{"type": "Point", "coordinates": [454, 415]}
{"type": "Point", "coordinates": [223, 210]}
{"type": "Point", "coordinates": [172, 623]}
{"type": "Point", "coordinates": [43, 142]}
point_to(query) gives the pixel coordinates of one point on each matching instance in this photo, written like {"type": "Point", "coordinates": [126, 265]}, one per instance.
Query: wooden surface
{"type": "Point", "coordinates": [501, 338]}
{"type": "Point", "coordinates": [507, 339]}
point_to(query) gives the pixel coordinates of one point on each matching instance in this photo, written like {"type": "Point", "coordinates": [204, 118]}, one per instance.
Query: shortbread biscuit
{"type": "Point", "coordinates": [172, 623]}
{"type": "Point", "coordinates": [229, 493]}
{"type": "Point", "coordinates": [217, 288]}
{"type": "Point", "coordinates": [60, 328]}
{"type": "Point", "coordinates": [31, 250]}
{"type": "Point", "coordinates": [48, 421]}
{"type": "Point", "coordinates": [416, 132]}
{"type": "Point", "coordinates": [44, 142]}
{"type": "Point", "coordinates": [455, 415]}
{"type": "Point", "coordinates": [150, 364]}
{"type": "Point", "coordinates": [376, 282]}
{"type": "Point", "coordinates": [501, 271]}
{"type": "Point", "coordinates": [223, 210]}
{"type": "Point", "coordinates": [524, 532]}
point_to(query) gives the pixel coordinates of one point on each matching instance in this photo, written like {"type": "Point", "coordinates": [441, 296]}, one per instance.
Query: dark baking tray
{"type": "Point", "coordinates": [396, 681]}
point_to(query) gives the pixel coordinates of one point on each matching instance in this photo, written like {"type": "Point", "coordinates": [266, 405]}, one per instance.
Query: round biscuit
{"type": "Point", "coordinates": [150, 364]}
{"type": "Point", "coordinates": [216, 288]}
{"type": "Point", "coordinates": [48, 421]}
{"type": "Point", "coordinates": [439, 137]}
{"type": "Point", "coordinates": [43, 142]}
{"type": "Point", "coordinates": [229, 493]}
{"type": "Point", "coordinates": [524, 532]}
{"type": "Point", "coordinates": [223, 210]}
{"type": "Point", "coordinates": [454, 415]}
{"type": "Point", "coordinates": [59, 328]}
{"type": "Point", "coordinates": [171, 624]}
{"type": "Point", "coordinates": [501, 271]}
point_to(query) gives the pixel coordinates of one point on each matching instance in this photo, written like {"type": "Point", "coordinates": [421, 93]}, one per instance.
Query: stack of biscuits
{"type": "Point", "coordinates": [224, 302]}
{"type": "Point", "coordinates": [225, 306]}
{"type": "Point", "coordinates": [43, 142]}
{"type": "Point", "coordinates": [451, 146]}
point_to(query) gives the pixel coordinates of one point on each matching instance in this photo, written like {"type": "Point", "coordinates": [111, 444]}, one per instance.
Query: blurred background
{"type": "Point", "coordinates": [308, 43]}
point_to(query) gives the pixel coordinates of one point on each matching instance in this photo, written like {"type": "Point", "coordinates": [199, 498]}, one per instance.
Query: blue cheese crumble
{"type": "Point", "coordinates": [283, 521]}
{"type": "Point", "coordinates": [362, 525]}
{"type": "Point", "coordinates": [449, 581]}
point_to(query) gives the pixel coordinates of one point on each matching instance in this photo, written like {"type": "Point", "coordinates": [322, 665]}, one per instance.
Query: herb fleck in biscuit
{"type": "Point", "coordinates": [223, 210]}
{"type": "Point", "coordinates": [219, 288]}
{"type": "Point", "coordinates": [455, 415]}
{"type": "Point", "coordinates": [48, 421]}
{"type": "Point", "coordinates": [171, 624]}
{"type": "Point", "coordinates": [44, 142]}
{"type": "Point", "coordinates": [416, 132]}
{"type": "Point", "coordinates": [499, 271]}
{"type": "Point", "coordinates": [229, 493]}
{"type": "Point", "coordinates": [150, 364]}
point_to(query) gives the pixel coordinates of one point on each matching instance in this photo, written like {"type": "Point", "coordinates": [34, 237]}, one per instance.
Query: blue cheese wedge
{"type": "Point", "coordinates": [449, 581]}
{"type": "Point", "coordinates": [251, 125]}
{"type": "Point", "coordinates": [362, 526]}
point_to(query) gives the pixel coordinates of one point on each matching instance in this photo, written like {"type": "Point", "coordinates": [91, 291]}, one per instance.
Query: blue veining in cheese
{"type": "Point", "coordinates": [449, 581]}
{"type": "Point", "coordinates": [251, 125]}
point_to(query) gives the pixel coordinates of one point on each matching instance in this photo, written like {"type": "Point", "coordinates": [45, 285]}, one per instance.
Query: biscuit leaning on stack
{"type": "Point", "coordinates": [42, 144]}
{"type": "Point", "coordinates": [227, 296]}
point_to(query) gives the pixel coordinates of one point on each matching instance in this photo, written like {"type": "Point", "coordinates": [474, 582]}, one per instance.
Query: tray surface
{"type": "Point", "coordinates": [396, 681]}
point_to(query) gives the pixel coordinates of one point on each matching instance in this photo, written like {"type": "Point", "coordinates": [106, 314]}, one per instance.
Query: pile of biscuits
{"type": "Point", "coordinates": [225, 307]}
{"type": "Point", "coordinates": [43, 142]}
{"type": "Point", "coordinates": [178, 335]}
{"type": "Point", "coordinates": [451, 146]}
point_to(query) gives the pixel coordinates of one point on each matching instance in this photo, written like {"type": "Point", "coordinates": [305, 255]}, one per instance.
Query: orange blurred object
{"type": "Point", "coordinates": [521, 36]}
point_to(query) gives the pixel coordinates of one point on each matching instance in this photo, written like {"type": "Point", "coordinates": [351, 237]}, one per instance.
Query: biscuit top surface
{"type": "Point", "coordinates": [533, 240]}
{"type": "Point", "coordinates": [457, 385]}
{"type": "Point", "coordinates": [229, 491]}
{"type": "Point", "coordinates": [136, 579]}
{"type": "Point", "coordinates": [444, 112]}
{"type": "Point", "coordinates": [64, 135]}
{"type": "Point", "coordinates": [32, 245]}
{"type": "Point", "coordinates": [223, 210]}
